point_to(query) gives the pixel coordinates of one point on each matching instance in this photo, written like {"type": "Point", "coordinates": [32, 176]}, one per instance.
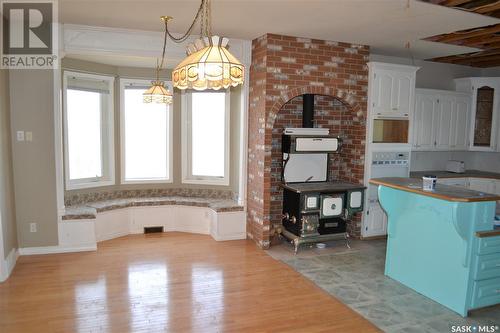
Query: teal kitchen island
{"type": "Point", "coordinates": [442, 243]}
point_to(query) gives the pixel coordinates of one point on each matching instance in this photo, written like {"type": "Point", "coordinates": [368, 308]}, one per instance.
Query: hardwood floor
{"type": "Point", "coordinates": [172, 282]}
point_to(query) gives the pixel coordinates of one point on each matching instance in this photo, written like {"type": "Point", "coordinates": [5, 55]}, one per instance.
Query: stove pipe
{"type": "Point", "coordinates": [308, 110]}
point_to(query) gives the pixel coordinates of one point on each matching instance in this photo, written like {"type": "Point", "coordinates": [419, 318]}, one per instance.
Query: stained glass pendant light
{"type": "Point", "coordinates": [158, 93]}
{"type": "Point", "coordinates": [209, 64]}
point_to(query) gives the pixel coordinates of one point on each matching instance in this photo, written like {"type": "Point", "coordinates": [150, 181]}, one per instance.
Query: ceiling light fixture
{"type": "Point", "coordinates": [209, 64]}
{"type": "Point", "coordinates": [158, 93]}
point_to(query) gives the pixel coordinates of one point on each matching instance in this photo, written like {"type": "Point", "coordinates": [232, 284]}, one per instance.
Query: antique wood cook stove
{"type": "Point", "coordinates": [314, 208]}
{"type": "Point", "coordinates": [317, 212]}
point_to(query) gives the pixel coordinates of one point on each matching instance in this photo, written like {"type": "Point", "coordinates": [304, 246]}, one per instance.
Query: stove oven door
{"type": "Point", "coordinates": [332, 205]}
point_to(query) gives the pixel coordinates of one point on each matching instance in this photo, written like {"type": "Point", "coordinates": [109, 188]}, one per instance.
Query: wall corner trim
{"type": "Point", "coordinates": [7, 265]}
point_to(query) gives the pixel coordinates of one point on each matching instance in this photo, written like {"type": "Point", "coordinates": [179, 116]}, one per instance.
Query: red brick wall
{"type": "Point", "coordinates": [283, 68]}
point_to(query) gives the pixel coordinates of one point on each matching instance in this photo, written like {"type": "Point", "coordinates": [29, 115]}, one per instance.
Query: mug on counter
{"type": "Point", "coordinates": [429, 182]}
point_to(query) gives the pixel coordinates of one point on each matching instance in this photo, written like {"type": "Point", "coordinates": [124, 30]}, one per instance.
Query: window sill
{"type": "Point", "coordinates": [147, 181]}
{"type": "Point", "coordinates": [217, 182]}
{"type": "Point", "coordinates": [78, 186]}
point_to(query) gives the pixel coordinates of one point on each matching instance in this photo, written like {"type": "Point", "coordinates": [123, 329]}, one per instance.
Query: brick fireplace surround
{"type": "Point", "coordinates": [284, 68]}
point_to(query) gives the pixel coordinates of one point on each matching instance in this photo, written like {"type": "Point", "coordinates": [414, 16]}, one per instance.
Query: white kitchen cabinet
{"type": "Point", "coordinates": [445, 106]}
{"type": "Point", "coordinates": [425, 121]}
{"type": "Point", "coordinates": [461, 182]}
{"type": "Point", "coordinates": [485, 113]}
{"type": "Point", "coordinates": [391, 90]}
{"type": "Point", "coordinates": [483, 185]}
{"type": "Point", "coordinates": [441, 120]}
{"type": "Point", "coordinates": [375, 220]}
{"type": "Point", "coordinates": [460, 123]}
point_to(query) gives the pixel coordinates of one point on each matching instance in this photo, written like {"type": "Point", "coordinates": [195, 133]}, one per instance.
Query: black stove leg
{"type": "Point", "coordinates": [347, 240]}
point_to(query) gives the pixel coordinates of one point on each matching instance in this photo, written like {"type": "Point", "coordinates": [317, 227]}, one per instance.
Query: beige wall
{"type": "Point", "coordinates": [7, 206]}
{"type": "Point", "coordinates": [147, 73]}
{"type": "Point", "coordinates": [32, 109]}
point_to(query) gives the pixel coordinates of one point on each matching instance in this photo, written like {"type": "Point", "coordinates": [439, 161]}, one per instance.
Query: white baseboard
{"type": "Point", "coordinates": [237, 236]}
{"type": "Point", "coordinates": [28, 251]}
{"type": "Point", "coordinates": [7, 265]}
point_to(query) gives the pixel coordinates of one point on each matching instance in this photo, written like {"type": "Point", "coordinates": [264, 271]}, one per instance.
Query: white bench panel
{"type": "Point", "coordinates": [152, 216]}
{"type": "Point", "coordinates": [112, 224]}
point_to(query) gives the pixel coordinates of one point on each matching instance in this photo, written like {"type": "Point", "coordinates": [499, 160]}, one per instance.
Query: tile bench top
{"type": "Point", "coordinates": [90, 210]}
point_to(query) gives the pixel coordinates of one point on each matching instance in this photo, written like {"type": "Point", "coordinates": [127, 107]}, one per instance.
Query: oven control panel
{"type": "Point", "coordinates": [390, 158]}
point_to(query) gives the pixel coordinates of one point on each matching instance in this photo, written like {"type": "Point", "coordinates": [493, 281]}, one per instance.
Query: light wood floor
{"type": "Point", "coordinates": [173, 282]}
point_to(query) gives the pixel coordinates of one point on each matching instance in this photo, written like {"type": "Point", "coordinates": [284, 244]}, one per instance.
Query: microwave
{"type": "Point", "coordinates": [390, 130]}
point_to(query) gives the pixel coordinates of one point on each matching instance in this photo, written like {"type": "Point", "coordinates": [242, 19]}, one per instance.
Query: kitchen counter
{"type": "Point", "coordinates": [443, 192]}
{"type": "Point", "coordinates": [322, 187]}
{"type": "Point", "coordinates": [442, 244]}
{"type": "Point", "coordinates": [447, 174]}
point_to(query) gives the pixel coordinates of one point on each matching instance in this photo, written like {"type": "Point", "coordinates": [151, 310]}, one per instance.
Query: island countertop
{"type": "Point", "coordinates": [444, 192]}
{"type": "Point", "coordinates": [447, 174]}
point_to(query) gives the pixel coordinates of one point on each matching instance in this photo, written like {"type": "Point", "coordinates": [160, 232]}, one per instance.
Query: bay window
{"type": "Point", "coordinates": [205, 140]}
{"type": "Point", "coordinates": [88, 130]}
{"type": "Point", "coordinates": [146, 136]}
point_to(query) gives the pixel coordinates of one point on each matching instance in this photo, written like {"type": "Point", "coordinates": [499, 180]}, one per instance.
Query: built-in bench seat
{"type": "Point", "coordinates": [90, 210]}
{"type": "Point", "coordinates": [84, 224]}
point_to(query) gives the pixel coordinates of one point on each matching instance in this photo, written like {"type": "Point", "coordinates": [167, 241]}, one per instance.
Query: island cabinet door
{"type": "Point", "coordinates": [486, 293]}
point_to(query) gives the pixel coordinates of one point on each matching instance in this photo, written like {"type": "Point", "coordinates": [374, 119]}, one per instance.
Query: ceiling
{"type": "Point", "coordinates": [385, 25]}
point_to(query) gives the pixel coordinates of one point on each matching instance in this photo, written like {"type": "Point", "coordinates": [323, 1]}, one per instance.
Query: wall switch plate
{"type": "Point", "coordinates": [29, 136]}
{"type": "Point", "coordinates": [32, 227]}
{"type": "Point", "coordinates": [20, 135]}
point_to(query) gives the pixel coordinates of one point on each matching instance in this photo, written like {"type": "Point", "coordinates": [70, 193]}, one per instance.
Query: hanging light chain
{"type": "Point", "coordinates": [190, 29]}
{"type": "Point", "coordinates": [208, 21]}
{"type": "Point", "coordinates": [160, 66]}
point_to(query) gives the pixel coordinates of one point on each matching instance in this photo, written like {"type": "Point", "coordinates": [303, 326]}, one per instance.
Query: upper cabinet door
{"type": "Point", "coordinates": [444, 122]}
{"type": "Point", "coordinates": [425, 122]}
{"type": "Point", "coordinates": [392, 93]}
{"type": "Point", "coordinates": [382, 92]}
{"type": "Point", "coordinates": [484, 117]}
{"type": "Point", "coordinates": [403, 88]}
{"type": "Point", "coordinates": [460, 123]}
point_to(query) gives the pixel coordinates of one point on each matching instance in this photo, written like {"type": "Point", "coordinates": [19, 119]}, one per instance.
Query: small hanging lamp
{"type": "Point", "coordinates": [158, 93]}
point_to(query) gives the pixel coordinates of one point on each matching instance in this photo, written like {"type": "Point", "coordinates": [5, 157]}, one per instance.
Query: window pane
{"type": "Point", "coordinates": [84, 134]}
{"type": "Point", "coordinates": [146, 140]}
{"type": "Point", "coordinates": [207, 134]}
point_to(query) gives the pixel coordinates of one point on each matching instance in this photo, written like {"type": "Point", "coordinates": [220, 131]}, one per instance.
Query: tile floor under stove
{"type": "Point", "coordinates": [356, 277]}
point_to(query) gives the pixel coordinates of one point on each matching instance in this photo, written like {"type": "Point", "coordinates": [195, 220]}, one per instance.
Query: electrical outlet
{"type": "Point", "coordinates": [32, 227]}
{"type": "Point", "coordinates": [20, 135]}
{"type": "Point", "coordinates": [29, 136]}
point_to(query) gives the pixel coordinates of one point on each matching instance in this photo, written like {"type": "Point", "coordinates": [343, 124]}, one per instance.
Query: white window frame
{"type": "Point", "coordinates": [142, 82]}
{"type": "Point", "coordinates": [187, 177]}
{"type": "Point", "coordinates": [108, 152]}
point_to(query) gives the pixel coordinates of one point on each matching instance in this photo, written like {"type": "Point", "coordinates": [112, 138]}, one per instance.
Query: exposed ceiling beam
{"type": "Point", "coordinates": [486, 38]}
{"type": "Point", "coordinates": [455, 36]}
{"type": "Point", "coordinates": [453, 3]}
{"type": "Point", "coordinates": [487, 8]}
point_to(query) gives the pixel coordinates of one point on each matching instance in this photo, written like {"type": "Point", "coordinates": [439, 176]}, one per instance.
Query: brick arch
{"type": "Point", "coordinates": [346, 98]}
